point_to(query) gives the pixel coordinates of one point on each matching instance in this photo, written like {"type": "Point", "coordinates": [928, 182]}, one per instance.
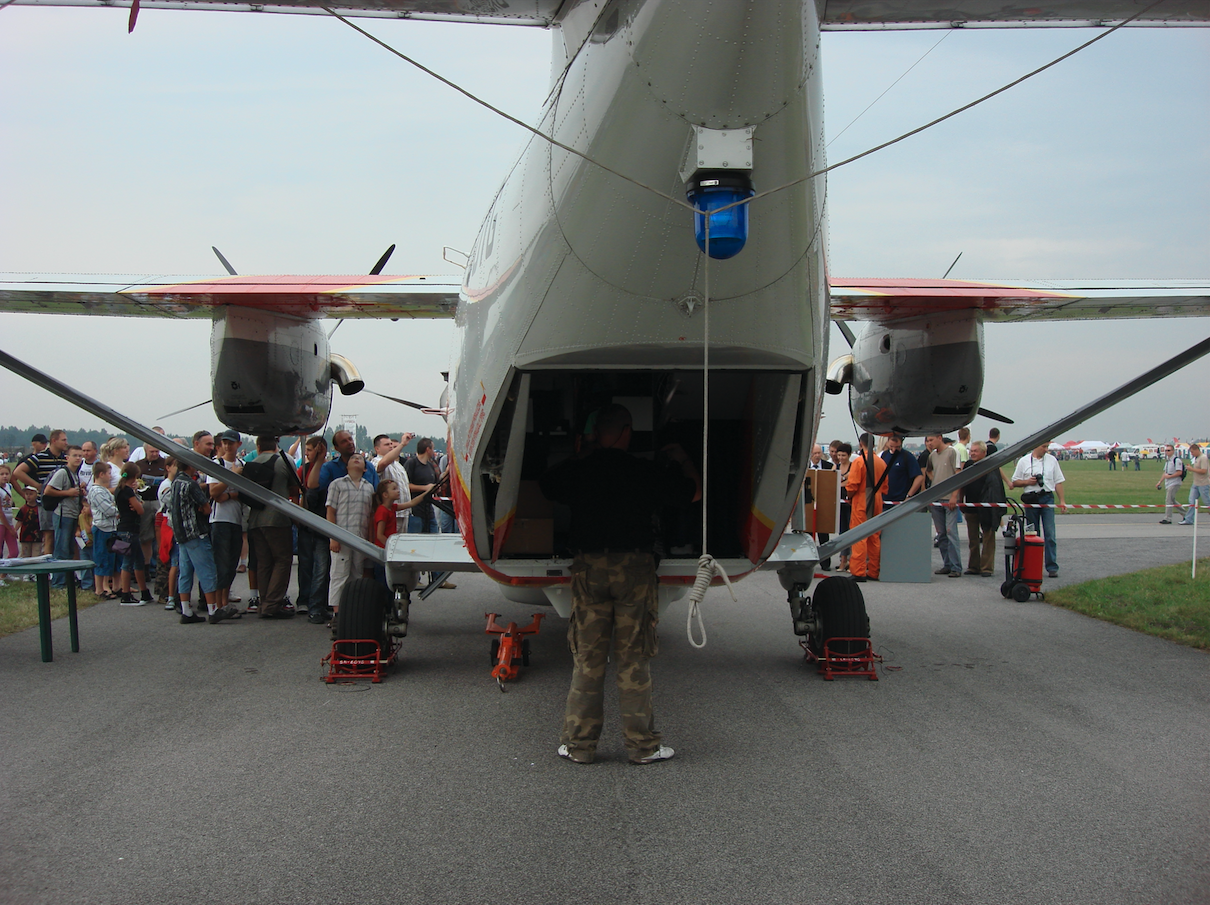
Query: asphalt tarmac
{"type": "Point", "coordinates": [1008, 753]}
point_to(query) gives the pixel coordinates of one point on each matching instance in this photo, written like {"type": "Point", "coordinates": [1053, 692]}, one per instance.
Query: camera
{"type": "Point", "coordinates": [1038, 479]}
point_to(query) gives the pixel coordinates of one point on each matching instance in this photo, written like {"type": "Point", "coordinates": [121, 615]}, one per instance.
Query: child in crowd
{"type": "Point", "coordinates": [165, 579]}
{"type": "Point", "coordinates": [29, 529]}
{"type": "Point", "coordinates": [84, 541]}
{"type": "Point", "coordinates": [9, 545]}
{"type": "Point", "coordinates": [104, 525]}
{"type": "Point", "coordinates": [349, 506]}
{"type": "Point", "coordinates": [130, 511]}
{"type": "Point", "coordinates": [385, 500]}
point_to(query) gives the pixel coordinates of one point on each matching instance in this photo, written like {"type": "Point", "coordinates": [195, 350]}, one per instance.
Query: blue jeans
{"type": "Point", "coordinates": [945, 521]}
{"type": "Point", "coordinates": [1046, 518]}
{"type": "Point", "coordinates": [65, 546]}
{"type": "Point", "coordinates": [416, 525]}
{"type": "Point", "coordinates": [446, 521]}
{"type": "Point", "coordinates": [314, 563]}
{"type": "Point", "coordinates": [1195, 493]}
{"type": "Point", "coordinates": [196, 556]}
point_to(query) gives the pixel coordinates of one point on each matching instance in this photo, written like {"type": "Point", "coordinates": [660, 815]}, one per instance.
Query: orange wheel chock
{"type": "Point", "coordinates": [511, 650]}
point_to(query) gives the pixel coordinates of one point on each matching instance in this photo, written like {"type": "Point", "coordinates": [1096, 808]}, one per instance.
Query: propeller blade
{"type": "Point", "coordinates": [382, 262]}
{"type": "Point", "coordinates": [995, 416]}
{"type": "Point", "coordinates": [190, 409]}
{"type": "Point", "coordinates": [226, 263]}
{"type": "Point", "coordinates": [427, 409]}
{"type": "Point", "coordinates": [951, 267]}
{"type": "Point", "coordinates": [847, 332]}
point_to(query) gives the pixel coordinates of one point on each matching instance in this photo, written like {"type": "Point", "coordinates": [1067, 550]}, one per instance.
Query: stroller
{"type": "Point", "coordinates": [1023, 558]}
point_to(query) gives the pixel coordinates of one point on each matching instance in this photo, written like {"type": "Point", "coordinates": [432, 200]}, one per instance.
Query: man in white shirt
{"type": "Point", "coordinates": [387, 464]}
{"type": "Point", "coordinates": [1174, 473]}
{"type": "Point", "coordinates": [226, 519]}
{"type": "Point", "coordinates": [1042, 479]}
{"type": "Point", "coordinates": [139, 454]}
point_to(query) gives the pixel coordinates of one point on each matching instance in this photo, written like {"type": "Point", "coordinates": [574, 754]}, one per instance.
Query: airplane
{"type": "Point", "coordinates": [592, 279]}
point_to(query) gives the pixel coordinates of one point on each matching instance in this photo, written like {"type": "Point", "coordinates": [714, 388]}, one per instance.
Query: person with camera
{"type": "Point", "coordinates": [1040, 474]}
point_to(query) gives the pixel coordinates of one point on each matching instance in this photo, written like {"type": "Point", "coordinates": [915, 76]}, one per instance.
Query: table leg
{"type": "Point", "coordinates": [48, 653]}
{"type": "Point", "coordinates": [72, 622]}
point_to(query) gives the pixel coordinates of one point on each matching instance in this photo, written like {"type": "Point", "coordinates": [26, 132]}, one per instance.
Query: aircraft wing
{"type": "Point", "coordinates": [193, 296]}
{"type": "Point", "coordinates": [491, 12]}
{"type": "Point", "coordinates": [889, 300]}
{"type": "Point", "coordinates": [868, 15]}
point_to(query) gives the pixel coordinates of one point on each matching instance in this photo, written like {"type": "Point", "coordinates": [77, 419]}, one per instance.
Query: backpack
{"type": "Point", "coordinates": [51, 503]}
{"type": "Point", "coordinates": [261, 474]}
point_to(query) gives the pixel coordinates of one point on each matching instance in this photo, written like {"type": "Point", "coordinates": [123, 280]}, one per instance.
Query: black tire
{"type": "Point", "coordinates": [495, 652]}
{"type": "Point", "coordinates": [525, 652]}
{"type": "Point", "coordinates": [363, 609]}
{"type": "Point", "coordinates": [1006, 588]}
{"type": "Point", "coordinates": [1021, 592]}
{"type": "Point", "coordinates": [841, 609]}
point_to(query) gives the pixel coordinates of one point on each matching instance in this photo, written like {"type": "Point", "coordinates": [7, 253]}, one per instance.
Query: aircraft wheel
{"type": "Point", "coordinates": [841, 610]}
{"type": "Point", "coordinates": [1021, 592]}
{"type": "Point", "coordinates": [363, 609]}
{"type": "Point", "coordinates": [495, 652]}
{"type": "Point", "coordinates": [525, 652]}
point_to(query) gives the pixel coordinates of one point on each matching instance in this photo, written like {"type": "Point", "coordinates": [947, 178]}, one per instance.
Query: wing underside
{"type": "Point", "coordinates": [857, 15]}
{"type": "Point", "coordinates": [836, 15]}
{"type": "Point", "coordinates": [539, 13]}
{"type": "Point", "coordinates": [192, 296]}
{"type": "Point", "coordinates": [889, 300]}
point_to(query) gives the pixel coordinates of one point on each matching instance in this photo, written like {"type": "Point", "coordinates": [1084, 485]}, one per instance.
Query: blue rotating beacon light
{"type": "Point", "coordinates": [709, 190]}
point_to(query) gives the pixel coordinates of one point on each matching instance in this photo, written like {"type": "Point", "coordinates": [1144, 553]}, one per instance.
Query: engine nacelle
{"type": "Point", "coordinates": [918, 376]}
{"type": "Point", "coordinates": [272, 373]}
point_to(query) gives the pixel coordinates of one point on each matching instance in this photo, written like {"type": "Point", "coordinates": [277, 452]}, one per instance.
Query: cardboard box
{"type": "Point", "coordinates": [530, 536]}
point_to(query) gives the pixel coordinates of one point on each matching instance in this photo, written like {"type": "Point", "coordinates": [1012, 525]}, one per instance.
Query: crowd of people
{"type": "Point", "coordinates": [150, 523]}
{"type": "Point", "coordinates": [883, 473]}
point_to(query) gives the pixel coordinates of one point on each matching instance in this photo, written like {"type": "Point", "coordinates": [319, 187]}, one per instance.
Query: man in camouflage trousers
{"type": "Point", "coordinates": [613, 497]}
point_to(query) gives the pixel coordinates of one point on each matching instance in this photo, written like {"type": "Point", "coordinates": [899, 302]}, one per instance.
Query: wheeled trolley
{"type": "Point", "coordinates": [1023, 558]}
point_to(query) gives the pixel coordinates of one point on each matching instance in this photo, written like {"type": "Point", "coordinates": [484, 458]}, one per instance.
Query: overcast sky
{"type": "Point", "coordinates": [296, 146]}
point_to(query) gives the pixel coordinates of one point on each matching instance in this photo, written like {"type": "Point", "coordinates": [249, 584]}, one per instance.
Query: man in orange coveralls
{"type": "Point", "coordinates": [863, 485]}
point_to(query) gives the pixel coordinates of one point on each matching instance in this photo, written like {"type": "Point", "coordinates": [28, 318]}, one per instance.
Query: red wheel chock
{"type": "Point", "coordinates": [511, 648]}
{"type": "Point", "coordinates": [359, 658]}
{"type": "Point", "coordinates": [859, 662]}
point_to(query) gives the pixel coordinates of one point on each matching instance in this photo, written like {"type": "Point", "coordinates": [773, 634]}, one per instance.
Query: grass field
{"type": "Point", "coordinates": [1091, 481]}
{"type": "Point", "coordinates": [1164, 602]}
{"type": "Point", "coordinates": [19, 605]}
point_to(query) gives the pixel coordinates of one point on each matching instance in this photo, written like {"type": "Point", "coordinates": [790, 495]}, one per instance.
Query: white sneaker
{"type": "Point", "coordinates": [661, 753]}
{"type": "Point", "coordinates": [564, 752]}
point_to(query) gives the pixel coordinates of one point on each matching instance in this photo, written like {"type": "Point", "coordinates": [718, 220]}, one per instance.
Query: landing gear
{"type": "Point", "coordinates": [834, 626]}
{"type": "Point", "coordinates": [367, 632]}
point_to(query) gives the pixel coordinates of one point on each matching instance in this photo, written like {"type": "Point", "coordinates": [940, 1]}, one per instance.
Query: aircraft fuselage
{"type": "Point", "coordinates": [584, 288]}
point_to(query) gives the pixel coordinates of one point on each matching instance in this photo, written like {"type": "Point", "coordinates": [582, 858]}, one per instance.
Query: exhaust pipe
{"type": "Point", "coordinates": [839, 373]}
{"type": "Point", "coordinates": [345, 375]}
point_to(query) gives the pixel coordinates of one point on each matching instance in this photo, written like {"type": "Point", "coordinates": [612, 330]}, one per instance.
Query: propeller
{"type": "Point", "coordinates": [427, 409]}
{"type": "Point", "coordinates": [225, 262]}
{"type": "Point", "coordinates": [382, 262]}
{"type": "Point", "coordinates": [374, 271]}
{"type": "Point", "coordinates": [182, 411]}
{"type": "Point", "coordinates": [996, 416]}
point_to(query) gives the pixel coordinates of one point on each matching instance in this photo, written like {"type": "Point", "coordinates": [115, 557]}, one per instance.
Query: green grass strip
{"type": "Point", "coordinates": [1165, 602]}
{"type": "Point", "coordinates": [19, 605]}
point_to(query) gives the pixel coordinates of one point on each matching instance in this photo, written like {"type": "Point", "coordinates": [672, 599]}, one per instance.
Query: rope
{"type": "Point", "coordinates": [707, 569]}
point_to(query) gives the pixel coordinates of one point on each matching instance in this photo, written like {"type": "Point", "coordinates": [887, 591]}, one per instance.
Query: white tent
{"type": "Point", "coordinates": [1093, 445]}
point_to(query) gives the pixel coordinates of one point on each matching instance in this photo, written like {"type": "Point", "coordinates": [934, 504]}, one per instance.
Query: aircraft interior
{"type": "Point", "coordinates": [759, 424]}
